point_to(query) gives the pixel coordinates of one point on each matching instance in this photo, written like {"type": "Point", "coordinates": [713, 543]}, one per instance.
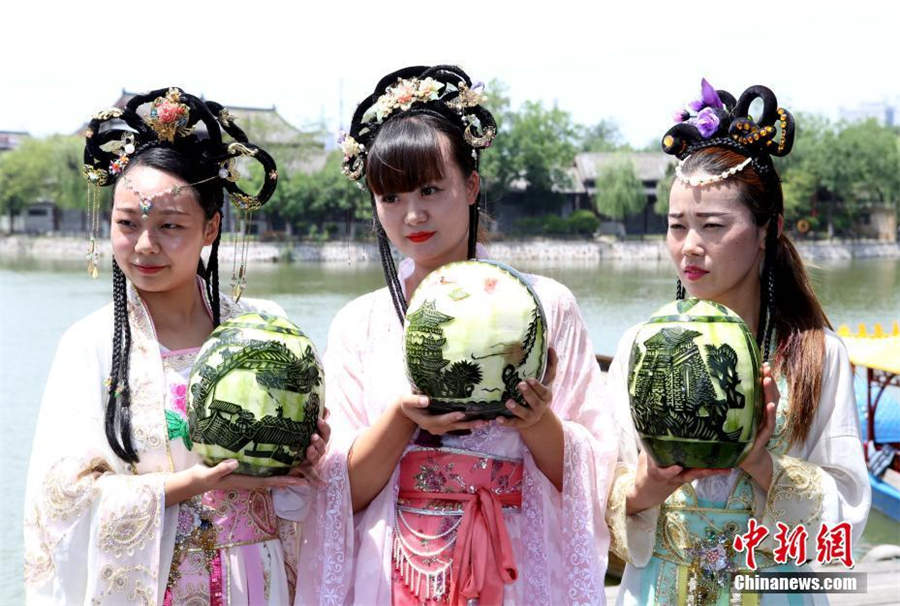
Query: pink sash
{"type": "Point", "coordinates": [223, 519]}
{"type": "Point", "coordinates": [450, 539]}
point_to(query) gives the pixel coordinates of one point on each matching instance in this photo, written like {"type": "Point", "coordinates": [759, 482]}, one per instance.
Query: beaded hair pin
{"type": "Point", "coordinates": [145, 202]}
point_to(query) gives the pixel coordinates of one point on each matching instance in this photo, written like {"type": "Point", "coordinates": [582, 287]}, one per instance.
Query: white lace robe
{"type": "Point", "coordinates": [96, 529]}
{"type": "Point", "coordinates": [560, 539]}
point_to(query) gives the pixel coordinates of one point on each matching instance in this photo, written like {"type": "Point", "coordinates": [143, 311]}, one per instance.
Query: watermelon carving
{"type": "Point", "coordinates": [255, 395]}
{"type": "Point", "coordinates": [694, 385]}
{"type": "Point", "coordinates": [473, 331]}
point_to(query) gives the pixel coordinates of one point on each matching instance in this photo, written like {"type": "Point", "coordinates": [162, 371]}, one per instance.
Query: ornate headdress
{"type": "Point", "coordinates": [717, 120]}
{"type": "Point", "coordinates": [189, 124]}
{"type": "Point", "coordinates": [444, 90]}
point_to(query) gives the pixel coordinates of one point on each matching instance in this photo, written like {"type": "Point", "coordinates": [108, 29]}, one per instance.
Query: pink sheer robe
{"type": "Point", "coordinates": [560, 539]}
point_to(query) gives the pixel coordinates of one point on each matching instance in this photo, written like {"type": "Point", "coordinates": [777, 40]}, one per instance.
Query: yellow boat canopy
{"type": "Point", "coordinates": [879, 349]}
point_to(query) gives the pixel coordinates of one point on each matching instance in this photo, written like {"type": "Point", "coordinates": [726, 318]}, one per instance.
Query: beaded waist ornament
{"type": "Point", "coordinates": [450, 539]}
{"type": "Point", "coordinates": [220, 519]}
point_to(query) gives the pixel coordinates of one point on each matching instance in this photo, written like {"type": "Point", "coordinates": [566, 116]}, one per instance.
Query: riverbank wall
{"type": "Point", "coordinates": [536, 250]}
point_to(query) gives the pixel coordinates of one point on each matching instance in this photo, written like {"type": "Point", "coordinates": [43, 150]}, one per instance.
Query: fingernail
{"type": "Point", "coordinates": [510, 404]}
{"type": "Point", "coordinates": [523, 386]}
{"type": "Point", "coordinates": [423, 401]}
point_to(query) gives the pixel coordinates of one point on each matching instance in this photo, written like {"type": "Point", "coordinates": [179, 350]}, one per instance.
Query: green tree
{"type": "Point", "coordinates": [535, 149]}
{"type": "Point", "coordinates": [619, 191]}
{"type": "Point", "coordinates": [323, 196]}
{"type": "Point", "coordinates": [601, 137]}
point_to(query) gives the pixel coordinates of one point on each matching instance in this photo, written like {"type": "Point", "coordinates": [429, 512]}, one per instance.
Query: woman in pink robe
{"type": "Point", "coordinates": [416, 143]}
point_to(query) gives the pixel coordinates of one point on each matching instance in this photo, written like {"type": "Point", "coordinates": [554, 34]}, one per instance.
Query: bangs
{"type": "Point", "coordinates": [406, 155]}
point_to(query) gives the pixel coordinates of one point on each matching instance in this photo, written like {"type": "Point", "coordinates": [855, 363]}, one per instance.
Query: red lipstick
{"type": "Point", "coordinates": [149, 269]}
{"type": "Point", "coordinates": [420, 236]}
{"type": "Point", "coordinates": [694, 273]}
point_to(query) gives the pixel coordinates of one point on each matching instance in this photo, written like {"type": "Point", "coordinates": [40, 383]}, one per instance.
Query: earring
{"type": "Point", "coordinates": [770, 314]}
{"type": "Point", "coordinates": [679, 289]}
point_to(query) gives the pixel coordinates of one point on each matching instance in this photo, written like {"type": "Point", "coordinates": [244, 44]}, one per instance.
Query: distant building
{"type": "Point", "coordinates": [650, 168]}
{"type": "Point", "coordinates": [883, 112]}
{"type": "Point", "coordinates": [11, 139]}
{"type": "Point", "coordinates": [878, 221]}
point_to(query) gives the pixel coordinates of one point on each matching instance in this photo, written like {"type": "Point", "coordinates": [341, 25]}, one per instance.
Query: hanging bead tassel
{"type": "Point", "coordinates": [239, 266]}
{"type": "Point", "coordinates": [93, 255]}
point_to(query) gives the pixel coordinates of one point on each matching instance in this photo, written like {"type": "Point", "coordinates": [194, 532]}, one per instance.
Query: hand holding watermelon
{"type": "Point", "coordinates": [415, 408]}
{"type": "Point", "coordinates": [537, 395]}
{"type": "Point", "coordinates": [183, 485]}
{"type": "Point", "coordinates": [758, 463]}
{"type": "Point", "coordinates": [314, 453]}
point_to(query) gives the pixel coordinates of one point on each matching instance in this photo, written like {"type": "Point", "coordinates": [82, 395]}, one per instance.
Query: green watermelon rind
{"type": "Point", "coordinates": [702, 453]}
{"type": "Point", "coordinates": [483, 409]}
{"type": "Point", "coordinates": [214, 453]}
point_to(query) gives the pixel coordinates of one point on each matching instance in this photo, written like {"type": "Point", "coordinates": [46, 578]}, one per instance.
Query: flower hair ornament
{"type": "Point", "coordinates": [444, 90]}
{"type": "Point", "coordinates": [169, 117]}
{"type": "Point", "coordinates": [717, 120]}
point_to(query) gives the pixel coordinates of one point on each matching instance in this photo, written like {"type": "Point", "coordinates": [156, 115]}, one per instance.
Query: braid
{"type": "Point", "coordinates": [390, 271]}
{"type": "Point", "coordinates": [118, 407]}
{"type": "Point", "coordinates": [212, 279]}
{"type": "Point", "coordinates": [473, 229]}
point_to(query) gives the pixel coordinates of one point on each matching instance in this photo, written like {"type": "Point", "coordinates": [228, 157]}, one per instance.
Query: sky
{"type": "Point", "coordinates": [634, 62]}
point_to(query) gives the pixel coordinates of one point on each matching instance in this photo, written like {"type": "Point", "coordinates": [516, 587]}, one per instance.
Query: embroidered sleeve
{"type": "Point", "coordinates": [92, 529]}
{"type": "Point", "coordinates": [582, 540]}
{"type": "Point", "coordinates": [825, 478]}
{"type": "Point", "coordinates": [631, 536]}
{"type": "Point", "coordinates": [795, 497]}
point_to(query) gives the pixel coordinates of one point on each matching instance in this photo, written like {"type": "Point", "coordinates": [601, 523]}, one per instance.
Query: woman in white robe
{"type": "Point", "coordinates": [675, 527]}
{"type": "Point", "coordinates": [118, 510]}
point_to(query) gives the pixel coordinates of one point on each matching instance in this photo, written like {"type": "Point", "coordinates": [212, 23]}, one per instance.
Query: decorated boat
{"type": "Point", "coordinates": [875, 357]}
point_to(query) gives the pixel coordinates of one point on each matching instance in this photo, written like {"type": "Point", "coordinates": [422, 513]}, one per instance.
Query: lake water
{"type": "Point", "coordinates": [38, 300]}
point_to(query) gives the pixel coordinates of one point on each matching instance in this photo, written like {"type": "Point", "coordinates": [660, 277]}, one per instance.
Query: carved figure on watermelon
{"type": "Point", "coordinates": [270, 405]}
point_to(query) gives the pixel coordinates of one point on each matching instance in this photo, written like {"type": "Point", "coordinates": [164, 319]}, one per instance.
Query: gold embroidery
{"type": "Point", "coordinates": [121, 580]}
{"type": "Point", "coordinates": [795, 495]}
{"type": "Point", "coordinates": [39, 566]}
{"type": "Point", "coordinates": [616, 518]}
{"type": "Point", "coordinates": [67, 490]}
{"type": "Point", "coordinates": [126, 531]}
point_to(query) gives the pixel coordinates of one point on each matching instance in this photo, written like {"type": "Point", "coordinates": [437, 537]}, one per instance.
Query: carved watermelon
{"type": "Point", "coordinates": [473, 331]}
{"type": "Point", "coordinates": [256, 393]}
{"type": "Point", "coordinates": [694, 385]}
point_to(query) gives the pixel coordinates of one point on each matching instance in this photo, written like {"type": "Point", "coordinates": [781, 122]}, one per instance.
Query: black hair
{"type": "Point", "coordinates": [403, 152]}
{"type": "Point", "coordinates": [179, 134]}
{"type": "Point", "coordinates": [211, 196]}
